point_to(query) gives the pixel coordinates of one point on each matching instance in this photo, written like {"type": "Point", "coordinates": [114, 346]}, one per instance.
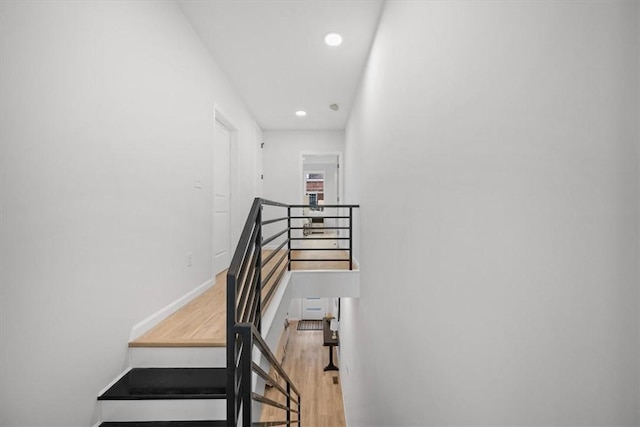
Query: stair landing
{"type": "Point", "coordinates": [202, 321]}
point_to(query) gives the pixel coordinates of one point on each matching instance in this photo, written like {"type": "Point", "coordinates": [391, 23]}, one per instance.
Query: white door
{"type": "Point", "coordinates": [313, 308]}
{"type": "Point", "coordinates": [221, 198]}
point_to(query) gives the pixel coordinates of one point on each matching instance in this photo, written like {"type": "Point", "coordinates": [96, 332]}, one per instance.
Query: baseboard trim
{"type": "Point", "coordinates": [165, 312]}
{"type": "Point", "coordinates": [108, 386]}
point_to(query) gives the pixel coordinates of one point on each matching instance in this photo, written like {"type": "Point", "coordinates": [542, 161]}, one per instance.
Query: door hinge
{"type": "Point", "coordinates": [261, 176]}
{"type": "Point", "coordinates": [262, 145]}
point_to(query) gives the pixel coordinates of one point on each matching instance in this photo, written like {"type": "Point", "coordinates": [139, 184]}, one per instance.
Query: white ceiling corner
{"type": "Point", "coordinates": [274, 54]}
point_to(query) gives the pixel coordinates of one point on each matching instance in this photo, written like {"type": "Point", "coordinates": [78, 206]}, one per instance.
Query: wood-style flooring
{"type": "Point", "coordinates": [305, 358]}
{"type": "Point", "coordinates": [202, 322]}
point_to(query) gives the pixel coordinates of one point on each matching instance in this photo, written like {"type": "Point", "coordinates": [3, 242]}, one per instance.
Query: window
{"type": "Point", "coordinates": [314, 189]}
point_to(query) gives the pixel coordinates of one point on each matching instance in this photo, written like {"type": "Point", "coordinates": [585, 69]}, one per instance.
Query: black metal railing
{"type": "Point", "coordinates": [252, 281]}
{"type": "Point", "coordinates": [250, 338]}
{"type": "Point", "coordinates": [343, 219]}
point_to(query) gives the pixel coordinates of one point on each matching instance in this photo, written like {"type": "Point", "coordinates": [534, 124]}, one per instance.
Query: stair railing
{"type": "Point", "coordinates": [250, 338]}
{"type": "Point", "coordinates": [249, 289]}
{"type": "Point", "coordinates": [245, 286]}
{"type": "Point", "coordinates": [343, 218]}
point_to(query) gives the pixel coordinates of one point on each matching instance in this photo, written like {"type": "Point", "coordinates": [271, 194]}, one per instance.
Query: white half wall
{"type": "Point", "coordinates": [106, 122]}
{"type": "Point", "coordinates": [493, 148]}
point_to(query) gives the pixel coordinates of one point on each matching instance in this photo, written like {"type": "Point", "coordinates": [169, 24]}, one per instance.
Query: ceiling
{"type": "Point", "coordinates": [274, 54]}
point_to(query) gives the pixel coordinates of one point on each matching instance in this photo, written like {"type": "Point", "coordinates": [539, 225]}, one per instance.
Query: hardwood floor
{"type": "Point", "coordinates": [305, 358]}
{"type": "Point", "coordinates": [202, 322]}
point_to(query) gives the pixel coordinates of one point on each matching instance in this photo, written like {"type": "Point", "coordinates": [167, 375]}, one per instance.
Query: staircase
{"type": "Point", "coordinates": [152, 397]}
{"type": "Point", "coordinates": [200, 387]}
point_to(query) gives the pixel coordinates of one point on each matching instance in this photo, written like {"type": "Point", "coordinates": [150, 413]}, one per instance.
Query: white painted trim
{"type": "Point", "coordinates": [184, 357]}
{"type": "Point", "coordinates": [163, 409]}
{"type": "Point", "coordinates": [151, 321]}
{"type": "Point", "coordinates": [219, 115]}
{"type": "Point", "coordinates": [111, 384]}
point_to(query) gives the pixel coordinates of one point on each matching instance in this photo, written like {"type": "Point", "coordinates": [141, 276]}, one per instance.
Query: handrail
{"type": "Point", "coordinates": [248, 293]}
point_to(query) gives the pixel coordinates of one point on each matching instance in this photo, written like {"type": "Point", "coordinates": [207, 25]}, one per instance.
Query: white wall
{"type": "Point", "coordinates": [106, 120]}
{"type": "Point", "coordinates": [493, 148]}
{"type": "Point", "coordinates": [283, 164]}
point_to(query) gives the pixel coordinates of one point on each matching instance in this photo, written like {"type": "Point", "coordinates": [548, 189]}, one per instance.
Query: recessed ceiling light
{"type": "Point", "coordinates": [301, 113]}
{"type": "Point", "coordinates": [333, 39]}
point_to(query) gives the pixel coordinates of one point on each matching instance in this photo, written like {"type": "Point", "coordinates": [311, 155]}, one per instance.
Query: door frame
{"type": "Point", "coordinates": [258, 161]}
{"type": "Point", "coordinates": [340, 182]}
{"type": "Point", "coordinates": [220, 116]}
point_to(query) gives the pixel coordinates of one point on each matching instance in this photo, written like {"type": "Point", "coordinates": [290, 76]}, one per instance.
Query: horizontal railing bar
{"type": "Point", "coordinates": [265, 376]}
{"type": "Point", "coordinates": [264, 349]}
{"type": "Point", "coordinates": [266, 260]}
{"type": "Point", "coordinates": [272, 203]}
{"type": "Point", "coordinates": [318, 259]}
{"type": "Point", "coordinates": [318, 249]}
{"type": "Point", "coordinates": [244, 239]}
{"type": "Point", "coordinates": [271, 221]}
{"type": "Point", "coordinates": [247, 288]}
{"type": "Point", "coordinates": [247, 260]}
{"type": "Point", "coordinates": [274, 237]}
{"type": "Point", "coordinates": [260, 398]}
{"type": "Point", "coordinates": [248, 254]}
{"type": "Point", "coordinates": [248, 306]}
{"type": "Point", "coordinates": [253, 309]}
{"type": "Point", "coordinates": [319, 216]}
{"type": "Point", "coordinates": [275, 267]}
{"type": "Point", "coordinates": [271, 291]}
{"type": "Point", "coordinates": [324, 206]}
{"type": "Point", "coordinates": [320, 228]}
{"type": "Point", "coordinates": [320, 238]}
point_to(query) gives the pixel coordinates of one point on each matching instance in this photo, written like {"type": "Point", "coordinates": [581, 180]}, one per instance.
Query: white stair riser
{"type": "Point", "coordinates": [184, 357]}
{"type": "Point", "coordinates": [163, 410]}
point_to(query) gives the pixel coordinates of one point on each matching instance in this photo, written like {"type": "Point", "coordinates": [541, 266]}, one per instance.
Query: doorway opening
{"type": "Point", "coordinates": [321, 177]}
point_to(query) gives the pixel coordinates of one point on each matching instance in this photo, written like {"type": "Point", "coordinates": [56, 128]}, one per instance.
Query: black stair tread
{"type": "Point", "coordinates": [169, 383]}
{"type": "Point", "coordinates": [164, 424]}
